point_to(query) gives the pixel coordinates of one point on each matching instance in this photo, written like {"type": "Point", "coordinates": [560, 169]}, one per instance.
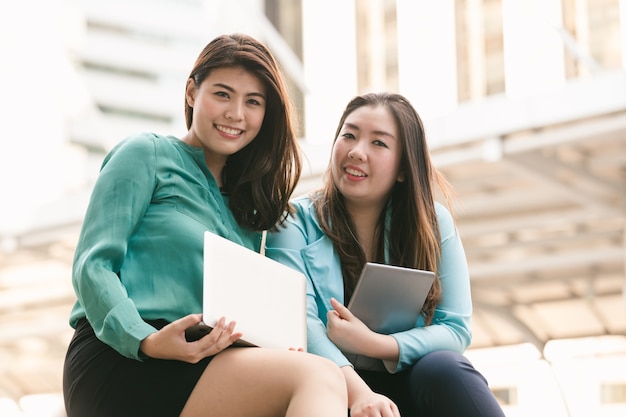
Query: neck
{"type": "Point", "coordinates": [365, 221]}
{"type": "Point", "coordinates": [214, 162]}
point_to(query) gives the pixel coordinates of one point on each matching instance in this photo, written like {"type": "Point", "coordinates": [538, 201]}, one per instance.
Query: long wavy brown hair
{"type": "Point", "coordinates": [261, 177]}
{"type": "Point", "coordinates": [413, 233]}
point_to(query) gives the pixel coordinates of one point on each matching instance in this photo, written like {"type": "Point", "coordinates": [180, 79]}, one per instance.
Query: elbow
{"type": "Point", "coordinates": [465, 340]}
{"type": "Point", "coordinates": [461, 334]}
{"type": "Point", "coordinates": [464, 337]}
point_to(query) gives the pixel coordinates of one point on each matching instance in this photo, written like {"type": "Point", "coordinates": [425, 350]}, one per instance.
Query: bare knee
{"type": "Point", "coordinates": [317, 381]}
{"type": "Point", "coordinates": [325, 372]}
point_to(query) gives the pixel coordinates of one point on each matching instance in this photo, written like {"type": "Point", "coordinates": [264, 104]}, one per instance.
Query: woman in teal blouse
{"type": "Point", "coordinates": [138, 263]}
{"type": "Point", "coordinates": [377, 205]}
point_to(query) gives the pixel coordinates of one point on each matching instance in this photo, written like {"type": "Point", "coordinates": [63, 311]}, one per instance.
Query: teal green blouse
{"type": "Point", "coordinates": [140, 252]}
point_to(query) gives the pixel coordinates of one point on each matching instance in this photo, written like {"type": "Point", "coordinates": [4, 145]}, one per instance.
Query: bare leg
{"type": "Point", "coordinates": [268, 383]}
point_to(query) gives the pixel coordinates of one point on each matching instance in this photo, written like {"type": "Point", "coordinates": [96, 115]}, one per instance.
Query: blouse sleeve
{"type": "Point", "coordinates": [451, 325]}
{"type": "Point", "coordinates": [118, 202]}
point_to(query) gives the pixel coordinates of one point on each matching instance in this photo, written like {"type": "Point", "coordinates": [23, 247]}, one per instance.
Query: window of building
{"type": "Point", "coordinates": [494, 47]}
{"type": "Point", "coordinates": [505, 395]}
{"type": "Point", "coordinates": [377, 45]}
{"type": "Point", "coordinates": [604, 32]}
{"type": "Point", "coordinates": [286, 16]}
{"type": "Point", "coordinates": [594, 28]}
{"type": "Point", "coordinates": [613, 393]}
{"type": "Point", "coordinates": [479, 48]}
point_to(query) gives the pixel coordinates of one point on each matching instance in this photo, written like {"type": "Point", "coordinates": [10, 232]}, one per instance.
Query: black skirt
{"type": "Point", "coordinates": [100, 382]}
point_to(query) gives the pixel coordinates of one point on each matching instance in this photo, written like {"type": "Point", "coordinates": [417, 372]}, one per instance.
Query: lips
{"type": "Point", "coordinates": [355, 172]}
{"type": "Point", "coordinates": [229, 130]}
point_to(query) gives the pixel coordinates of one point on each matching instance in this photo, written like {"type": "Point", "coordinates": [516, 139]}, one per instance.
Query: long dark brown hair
{"type": "Point", "coordinates": [413, 232]}
{"type": "Point", "coordinates": [261, 177]}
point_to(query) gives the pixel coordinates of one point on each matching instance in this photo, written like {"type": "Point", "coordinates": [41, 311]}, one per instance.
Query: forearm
{"type": "Point", "coordinates": [357, 388]}
{"type": "Point", "coordinates": [381, 346]}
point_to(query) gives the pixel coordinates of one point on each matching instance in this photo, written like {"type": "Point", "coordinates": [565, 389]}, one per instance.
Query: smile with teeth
{"type": "Point", "coordinates": [355, 172]}
{"type": "Point", "coordinates": [229, 130]}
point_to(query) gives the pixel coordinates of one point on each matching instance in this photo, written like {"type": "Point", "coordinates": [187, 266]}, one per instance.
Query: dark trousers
{"type": "Point", "coordinates": [440, 384]}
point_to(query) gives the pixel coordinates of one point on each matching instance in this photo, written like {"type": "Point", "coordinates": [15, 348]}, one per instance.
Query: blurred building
{"type": "Point", "coordinates": [524, 104]}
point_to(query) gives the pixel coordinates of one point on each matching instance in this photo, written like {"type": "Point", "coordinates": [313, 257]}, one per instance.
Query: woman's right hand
{"type": "Point", "coordinates": [170, 342]}
{"type": "Point", "coordinates": [374, 405]}
{"type": "Point", "coordinates": [364, 402]}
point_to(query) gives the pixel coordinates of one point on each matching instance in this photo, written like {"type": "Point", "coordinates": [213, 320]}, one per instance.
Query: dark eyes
{"type": "Point", "coordinates": [224, 94]}
{"type": "Point", "coordinates": [376, 142]}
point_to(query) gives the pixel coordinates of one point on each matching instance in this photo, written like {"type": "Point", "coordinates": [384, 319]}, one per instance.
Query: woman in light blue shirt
{"type": "Point", "coordinates": [377, 205]}
{"type": "Point", "coordinates": [137, 269]}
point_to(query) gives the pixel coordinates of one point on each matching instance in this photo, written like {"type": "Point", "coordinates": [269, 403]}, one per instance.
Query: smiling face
{"type": "Point", "coordinates": [228, 111]}
{"type": "Point", "coordinates": [365, 162]}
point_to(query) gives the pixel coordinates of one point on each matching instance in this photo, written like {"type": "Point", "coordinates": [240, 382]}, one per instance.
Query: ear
{"type": "Point", "coordinates": [190, 92]}
{"type": "Point", "coordinates": [401, 177]}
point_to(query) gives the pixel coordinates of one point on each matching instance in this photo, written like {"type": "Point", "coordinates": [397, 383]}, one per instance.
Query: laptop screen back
{"type": "Point", "coordinates": [266, 299]}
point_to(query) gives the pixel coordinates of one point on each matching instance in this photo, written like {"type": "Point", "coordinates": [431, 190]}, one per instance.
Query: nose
{"type": "Point", "coordinates": [234, 111]}
{"type": "Point", "coordinates": [356, 153]}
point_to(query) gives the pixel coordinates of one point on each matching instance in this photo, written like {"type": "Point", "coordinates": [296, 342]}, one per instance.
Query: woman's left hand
{"type": "Point", "coordinates": [169, 342]}
{"type": "Point", "coordinates": [346, 331]}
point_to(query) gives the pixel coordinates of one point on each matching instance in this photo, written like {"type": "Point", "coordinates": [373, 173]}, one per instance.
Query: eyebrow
{"type": "Point", "coordinates": [376, 132]}
{"type": "Point", "coordinates": [232, 90]}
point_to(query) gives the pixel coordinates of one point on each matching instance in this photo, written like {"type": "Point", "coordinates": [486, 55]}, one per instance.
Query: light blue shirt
{"type": "Point", "coordinates": [140, 251]}
{"type": "Point", "coordinates": [303, 246]}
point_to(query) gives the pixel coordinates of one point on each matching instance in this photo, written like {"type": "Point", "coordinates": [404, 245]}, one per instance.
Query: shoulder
{"type": "Point", "coordinates": [305, 209]}
{"type": "Point", "coordinates": [141, 146]}
{"type": "Point", "coordinates": [443, 213]}
{"type": "Point", "coordinates": [301, 228]}
{"type": "Point", "coordinates": [136, 143]}
{"type": "Point", "coordinates": [445, 220]}
{"type": "Point", "coordinates": [304, 216]}
{"type": "Point", "coordinates": [303, 204]}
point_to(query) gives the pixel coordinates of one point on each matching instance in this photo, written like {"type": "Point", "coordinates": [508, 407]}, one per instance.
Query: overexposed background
{"type": "Point", "coordinates": [524, 104]}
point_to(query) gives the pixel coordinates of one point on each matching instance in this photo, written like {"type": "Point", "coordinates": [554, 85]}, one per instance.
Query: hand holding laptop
{"type": "Point", "coordinates": [267, 299]}
{"type": "Point", "coordinates": [198, 331]}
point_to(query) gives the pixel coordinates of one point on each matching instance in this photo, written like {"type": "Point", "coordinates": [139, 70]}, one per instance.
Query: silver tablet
{"type": "Point", "coordinates": [388, 299]}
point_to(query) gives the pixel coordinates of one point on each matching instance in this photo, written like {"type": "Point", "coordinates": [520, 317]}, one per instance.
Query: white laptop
{"type": "Point", "coordinates": [388, 299]}
{"type": "Point", "coordinates": [266, 298]}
